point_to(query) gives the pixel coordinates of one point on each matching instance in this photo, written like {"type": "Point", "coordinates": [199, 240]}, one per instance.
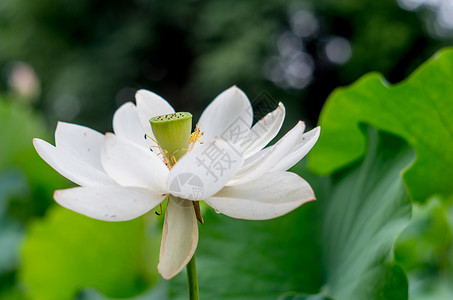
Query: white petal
{"type": "Point", "coordinates": [204, 171]}
{"type": "Point", "coordinates": [109, 203]}
{"type": "Point", "coordinates": [228, 116]}
{"type": "Point", "coordinates": [179, 237]}
{"type": "Point", "coordinates": [126, 124]}
{"type": "Point", "coordinates": [150, 105]}
{"type": "Point", "coordinates": [263, 131]}
{"type": "Point", "coordinates": [271, 196]}
{"type": "Point", "coordinates": [71, 167]}
{"type": "Point", "coordinates": [81, 142]}
{"type": "Point", "coordinates": [132, 165]}
{"type": "Point", "coordinates": [271, 157]}
{"type": "Point", "coordinates": [301, 149]}
{"type": "Point", "coordinates": [255, 156]}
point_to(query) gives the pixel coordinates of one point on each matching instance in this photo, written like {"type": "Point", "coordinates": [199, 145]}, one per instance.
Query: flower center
{"type": "Point", "coordinates": [174, 138]}
{"type": "Point", "coordinates": [173, 134]}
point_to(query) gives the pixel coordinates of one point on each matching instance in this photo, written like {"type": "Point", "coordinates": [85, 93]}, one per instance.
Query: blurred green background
{"type": "Point", "coordinates": [78, 61]}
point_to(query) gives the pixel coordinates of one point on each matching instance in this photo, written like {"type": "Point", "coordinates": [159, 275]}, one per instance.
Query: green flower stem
{"type": "Point", "coordinates": [172, 132]}
{"type": "Point", "coordinates": [192, 280]}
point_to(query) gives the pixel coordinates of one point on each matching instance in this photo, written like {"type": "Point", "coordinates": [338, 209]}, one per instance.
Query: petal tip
{"type": "Point", "coordinates": [141, 91]}
{"type": "Point", "coordinates": [40, 145]}
{"type": "Point", "coordinates": [35, 141]}
{"type": "Point", "coordinates": [61, 123]}
{"type": "Point", "coordinates": [236, 90]}
{"type": "Point", "coordinates": [62, 126]}
{"type": "Point", "coordinates": [301, 125]}
{"type": "Point", "coordinates": [317, 132]}
{"type": "Point", "coordinates": [127, 104]}
{"type": "Point", "coordinates": [166, 276]}
{"type": "Point", "coordinates": [165, 272]}
{"type": "Point", "coordinates": [281, 109]}
{"type": "Point", "coordinates": [57, 196]}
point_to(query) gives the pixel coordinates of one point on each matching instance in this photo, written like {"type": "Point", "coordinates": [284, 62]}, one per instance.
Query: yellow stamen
{"type": "Point", "coordinates": [195, 137]}
{"type": "Point", "coordinates": [169, 162]}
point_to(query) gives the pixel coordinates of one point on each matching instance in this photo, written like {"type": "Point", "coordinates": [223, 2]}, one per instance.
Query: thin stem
{"type": "Point", "coordinates": [192, 280]}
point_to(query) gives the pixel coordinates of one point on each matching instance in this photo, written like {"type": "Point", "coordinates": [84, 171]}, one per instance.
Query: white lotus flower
{"type": "Point", "coordinates": [121, 179]}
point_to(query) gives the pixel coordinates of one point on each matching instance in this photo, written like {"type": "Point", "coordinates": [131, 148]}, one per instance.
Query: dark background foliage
{"type": "Point", "coordinates": [91, 56]}
{"type": "Point", "coordinates": [79, 60]}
